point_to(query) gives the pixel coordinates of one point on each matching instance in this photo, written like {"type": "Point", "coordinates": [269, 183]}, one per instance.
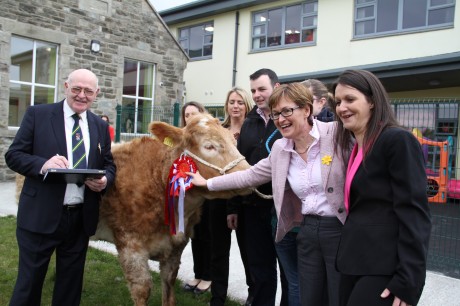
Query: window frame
{"type": "Point", "coordinates": [282, 40]}
{"type": "Point", "coordinates": [136, 98]}
{"type": "Point", "coordinates": [204, 44]}
{"type": "Point", "coordinates": [399, 26]}
{"type": "Point", "coordinates": [33, 84]}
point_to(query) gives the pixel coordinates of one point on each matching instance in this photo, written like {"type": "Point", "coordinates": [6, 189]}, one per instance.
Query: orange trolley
{"type": "Point", "coordinates": [438, 181]}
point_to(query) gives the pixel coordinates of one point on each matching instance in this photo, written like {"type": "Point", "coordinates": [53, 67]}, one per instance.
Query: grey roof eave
{"type": "Point", "coordinates": [435, 63]}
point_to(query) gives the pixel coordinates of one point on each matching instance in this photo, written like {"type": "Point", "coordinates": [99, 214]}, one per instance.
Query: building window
{"type": "Point", "coordinates": [137, 101]}
{"type": "Point", "coordinates": [33, 76]}
{"type": "Point", "coordinates": [285, 26]}
{"type": "Point", "coordinates": [393, 16]}
{"type": "Point", "coordinates": [197, 40]}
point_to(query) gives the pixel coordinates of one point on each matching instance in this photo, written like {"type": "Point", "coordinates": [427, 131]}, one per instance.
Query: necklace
{"type": "Point", "coordinates": [308, 147]}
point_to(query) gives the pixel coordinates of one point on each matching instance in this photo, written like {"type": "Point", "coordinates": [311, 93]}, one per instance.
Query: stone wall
{"type": "Point", "coordinates": [126, 30]}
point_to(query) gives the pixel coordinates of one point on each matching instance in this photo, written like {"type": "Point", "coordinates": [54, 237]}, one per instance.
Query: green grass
{"type": "Point", "coordinates": [104, 283]}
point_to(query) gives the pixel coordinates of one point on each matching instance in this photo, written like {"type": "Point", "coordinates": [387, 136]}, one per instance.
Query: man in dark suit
{"type": "Point", "coordinates": [257, 136]}
{"type": "Point", "coordinates": [58, 216]}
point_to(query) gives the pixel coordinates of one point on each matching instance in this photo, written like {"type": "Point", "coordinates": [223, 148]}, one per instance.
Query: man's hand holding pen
{"type": "Point", "coordinates": [57, 161]}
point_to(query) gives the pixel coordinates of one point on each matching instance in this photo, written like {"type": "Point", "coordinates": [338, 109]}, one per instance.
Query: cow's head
{"type": "Point", "coordinates": [211, 146]}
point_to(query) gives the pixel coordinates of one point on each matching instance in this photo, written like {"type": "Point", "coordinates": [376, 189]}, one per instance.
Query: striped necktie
{"type": "Point", "coordinates": [78, 145]}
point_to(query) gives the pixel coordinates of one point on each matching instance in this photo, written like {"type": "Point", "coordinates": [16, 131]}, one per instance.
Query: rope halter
{"type": "Point", "coordinates": [222, 171]}
{"type": "Point", "coordinates": [225, 169]}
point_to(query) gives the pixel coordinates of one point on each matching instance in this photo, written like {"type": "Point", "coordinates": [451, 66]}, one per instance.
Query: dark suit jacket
{"type": "Point", "coordinates": [41, 136]}
{"type": "Point", "coordinates": [389, 223]}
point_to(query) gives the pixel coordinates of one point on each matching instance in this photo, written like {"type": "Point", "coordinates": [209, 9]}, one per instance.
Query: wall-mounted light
{"type": "Point", "coordinates": [95, 46]}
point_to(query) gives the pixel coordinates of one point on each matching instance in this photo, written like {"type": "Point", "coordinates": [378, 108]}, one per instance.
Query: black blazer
{"type": "Point", "coordinates": [389, 223]}
{"type": "Point", "coordinates": [41, 136]}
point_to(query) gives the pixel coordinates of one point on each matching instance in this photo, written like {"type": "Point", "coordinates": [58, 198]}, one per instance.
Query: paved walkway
{"type": "Point", "coordinates": [439, 289]}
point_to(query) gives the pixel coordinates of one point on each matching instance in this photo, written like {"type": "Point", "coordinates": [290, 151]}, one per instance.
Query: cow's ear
{"type": "Point", "coordinates": [166, 133]}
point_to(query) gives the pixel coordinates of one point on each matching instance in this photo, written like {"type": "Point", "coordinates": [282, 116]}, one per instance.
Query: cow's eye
{"type": "Point", "coordinates": [209, 147]}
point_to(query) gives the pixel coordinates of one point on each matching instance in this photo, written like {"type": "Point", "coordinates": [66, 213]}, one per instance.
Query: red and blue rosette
{"type": "Point", "coordinates": [178, 183]}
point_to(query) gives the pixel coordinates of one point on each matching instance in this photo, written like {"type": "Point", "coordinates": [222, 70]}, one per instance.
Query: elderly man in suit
{"type": "Point", "coordinates": [59, 217]}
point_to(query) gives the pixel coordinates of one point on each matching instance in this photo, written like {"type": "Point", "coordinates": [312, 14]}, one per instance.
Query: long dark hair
{"type": "Point", "coordinates": [382, 115]}
{"type": "Point", "coordinates": [198, 105]}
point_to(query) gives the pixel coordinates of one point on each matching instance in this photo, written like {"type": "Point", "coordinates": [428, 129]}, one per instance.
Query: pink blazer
{"type": "Point", "coordinates": [275, 168]}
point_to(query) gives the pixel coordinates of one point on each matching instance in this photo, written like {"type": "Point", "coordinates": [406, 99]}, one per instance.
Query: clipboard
{"type": "Point", "coordinates": [71, 176]}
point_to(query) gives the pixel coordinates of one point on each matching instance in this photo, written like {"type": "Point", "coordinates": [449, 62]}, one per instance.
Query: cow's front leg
{"type": "Point", "coordinates": [168, 274]}
{"type": "Point", "coordinates": [137, 274]}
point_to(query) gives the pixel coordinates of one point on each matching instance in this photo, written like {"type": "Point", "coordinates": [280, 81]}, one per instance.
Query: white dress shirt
{"type": "Point", "coordinates": [73, 193]}
{"type": "Point", "coordinates": [305, 178]}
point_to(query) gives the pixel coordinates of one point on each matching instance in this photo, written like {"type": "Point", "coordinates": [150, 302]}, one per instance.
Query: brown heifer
{"type": "Point", "coordinates": [132, 212]}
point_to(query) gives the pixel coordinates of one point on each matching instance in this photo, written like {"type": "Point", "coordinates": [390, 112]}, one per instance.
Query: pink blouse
{"type": "Point", "coordinates": [356, 158]}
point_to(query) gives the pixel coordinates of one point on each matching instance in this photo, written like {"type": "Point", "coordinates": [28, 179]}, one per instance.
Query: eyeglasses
{"type": "Point", "coordinates": [88, 92]}
{"type": "Point", "coordinates": [285, 112]}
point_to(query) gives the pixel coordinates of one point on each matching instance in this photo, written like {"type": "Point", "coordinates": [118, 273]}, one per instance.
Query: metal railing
{"type": "Point", "coordinates": [431, 119]}
{"type": "Point", "coordinates": [436, 124]}
{"type": "Point", "coordinates": [127, 128]}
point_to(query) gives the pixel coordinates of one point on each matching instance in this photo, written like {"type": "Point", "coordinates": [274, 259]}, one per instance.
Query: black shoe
{"type": "Point", "coordinates": [188, 287]}
{"type": "Point", "coordinates": [201, 291]}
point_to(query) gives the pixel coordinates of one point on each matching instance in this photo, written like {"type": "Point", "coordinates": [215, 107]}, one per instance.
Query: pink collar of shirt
{"type": "Point", "coordinates": [262, 114]}
{"type": "Point", "coordinates": [356, 158]}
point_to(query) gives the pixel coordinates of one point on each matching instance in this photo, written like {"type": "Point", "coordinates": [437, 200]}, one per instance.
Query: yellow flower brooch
{"type": "Point", "coordinates": [326, 160]}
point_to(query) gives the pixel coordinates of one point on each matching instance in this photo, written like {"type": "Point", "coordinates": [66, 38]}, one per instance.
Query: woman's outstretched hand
{"type": "Point", "coordinates": [197, 179]}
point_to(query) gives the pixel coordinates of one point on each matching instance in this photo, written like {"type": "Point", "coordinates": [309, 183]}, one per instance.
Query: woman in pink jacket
{"type": "Point", "coordinates": [308, 182]}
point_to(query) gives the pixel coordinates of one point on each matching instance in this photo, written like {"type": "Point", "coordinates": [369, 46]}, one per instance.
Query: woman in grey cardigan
{"type": "Point", "coordinates": [308, 182]}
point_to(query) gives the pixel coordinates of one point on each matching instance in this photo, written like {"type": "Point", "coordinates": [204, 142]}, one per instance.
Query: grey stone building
{"type": "Point", "coordinates": [125, 43]}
